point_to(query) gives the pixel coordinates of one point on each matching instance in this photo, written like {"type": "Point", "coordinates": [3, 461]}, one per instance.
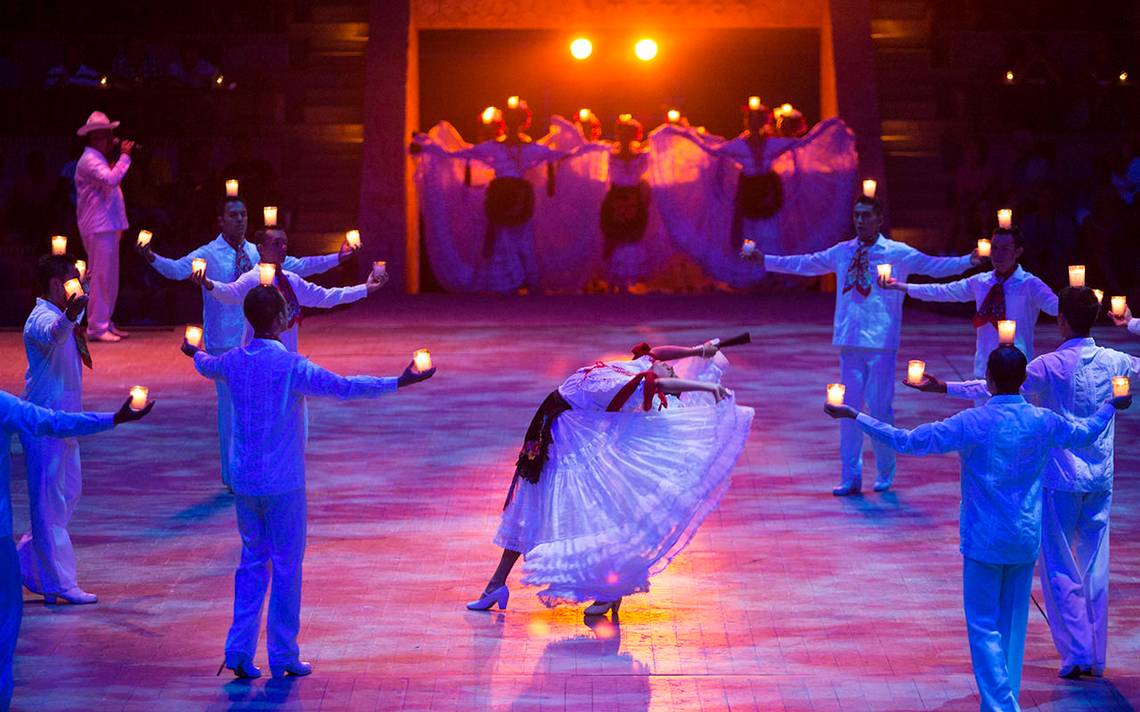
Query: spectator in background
{"type": "Point", "coordinates": [29, 207]}
{"type": "Point", "coordinates": [191, 70]}
{"type": "Point", "coordinates": [134, 64]}
{"type": "Point", "coordinates": [72, 72]}
{"type": "Point", "coordinates": [1109, 232]}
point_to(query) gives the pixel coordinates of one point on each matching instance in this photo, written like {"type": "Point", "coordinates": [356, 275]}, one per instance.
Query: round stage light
{"type": "Point", "coordinates": [645, 49]}
{"type": "Point", "coordinates": [581, 48]}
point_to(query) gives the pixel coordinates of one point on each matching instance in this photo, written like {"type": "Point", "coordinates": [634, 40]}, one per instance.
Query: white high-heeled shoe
{"type": "Point", "coordinates": [600, 608]}
{"type": "Point", "coordinates": [74, 595]}
{"type": "Point", "coordinates": [485, 602]}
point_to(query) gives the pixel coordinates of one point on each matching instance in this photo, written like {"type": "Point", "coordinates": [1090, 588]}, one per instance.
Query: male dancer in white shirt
{"type": "Point", "coordinates": [270, 384]}
{"type": "Point", "coordinates": [1072, 381]}
{"type": "Point", "coordinates": [1006, 292]}
{"type": "Point", "coordinates": [1004, 445]}
{"type": "Point", "coordinates": [29, 420]}
{"type": "Point", "coordinates": [102, 217]}
{"type": "Point", "coordinates": [228, 256]}
{"type": "Point", "coordinates": [57, 352]}
{"type": "Point", "coordinates": [867, 325]}
{"type": "Point", "coordinates": [272, 245]}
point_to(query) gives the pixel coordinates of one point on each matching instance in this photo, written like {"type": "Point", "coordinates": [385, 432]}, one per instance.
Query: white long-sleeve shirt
{"type": "Point", "coordinates": [55, 373]}
{"type": "Point", "coordinates": [1072, 381]}
{"type": "Point", "coordinates": [1004, 447]}
{"type": "Point", "coordinates": [1025, 297]}
{"type": "Point", "coordinates": [1134, 327]}
{"type": "Point", "coordinates": [269, 385]}
{"type": "Point", "coordinates": [223, 324]}
{"type": "Point", "coordinates": [874, 321]}
{"type": "Point", "coordinates": [99, 196]}
{"type": "Point", "coordinates": [20, 416]}
{"type": "Point", "coordinates": [308, 295]}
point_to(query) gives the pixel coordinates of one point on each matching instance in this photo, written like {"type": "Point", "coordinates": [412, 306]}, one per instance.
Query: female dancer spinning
{"type": "Point", "coordinates": [619, 467]}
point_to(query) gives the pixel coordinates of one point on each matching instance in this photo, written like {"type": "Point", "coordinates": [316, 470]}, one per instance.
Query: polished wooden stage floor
{"type": "Point", "coordinates": [788, 598]}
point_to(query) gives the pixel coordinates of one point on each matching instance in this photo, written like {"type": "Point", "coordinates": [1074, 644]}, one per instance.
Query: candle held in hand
{"type": "Point", "coordinates": [1076, 275]}
{"type": "Point", "coordinates": [269, 215]}
{"type": "Point", "coordinates": [914, 372]}
{"type": "Point", "coordinates": [1118, 305]}
{"type": "Point", "coordinates": [144, 237]}
{"type": "Point", "coordinates": [422, 360]}
{"type": "Point", "coordinates": [58, 244]}
{"type": "Point", "coordinates": [352, 237]}
{"type": "Point", "coordinates": [266, 273]}
{"type": "Point", "coordinates": [198, 266]}
{"type": "Point", "coordinates": [231, 188]}
{"type": "Point", "coordinates": [379, 268]}
{"type": "Point", "coordinates": [1099, 296]}
{"type": "Point", "coordinates": [73, 288]}
{"type": "Point", "coordinates": [81, 268]}
{"type": "Point", "coordinates": [984, 247]}
{"type": "Point", "coordinates": [1007, 331]}
{"type": "Point", "coordinates": [835, 393]}
{"type": "Point", "coordinates": [1121, 386]}
{"type": "Point", "coordinates": [138, 397]}
{"type": "Point", "coordinates": [884, 271]}
{"type": "Point", "coordinates": [194, 336]}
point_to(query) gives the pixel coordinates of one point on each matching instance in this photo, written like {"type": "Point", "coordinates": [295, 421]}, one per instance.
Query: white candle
{"type": "Point", "coordinates": [352, 237]}
{"type": "Point", "coordinates": [1118, 305]}
{"type": "Point", "coordinates": [194, 336]}
{"type": "Point", "coordinates": [884, 271]}
{"type": "Point", "coordinates": [835, 393]}
{"type": "Point", "coordinates": [673, 116]}
{"type": "Point", "coordinates": [73, 288]}
{"type": "Point", "coordinates": [754, 103]}
{"type": "Point", "coordinates": [198, 266]}
{"type": "Point", "coordinates": [81, 268]}
{"type": "Point", "coordinates": [1007, 330]}
{"type": "Point", "coordinates": [422, 360]}
{"type": "Point", "coordinates": [379, 267]}
{"type": "Point", "coordinates": [512, 102]}
{"type": "Point", "coordinates": [869, 188]}
{"type": "Point", "coordinates": [1121, 386]}
{"type": "Point", "coordinates": [914, 372]}
{"type": "Point", "coordinates": [1099, 296]}
{"type": "Point", "coordinates": [231, 188]}
{"type": "Point", "coordinates": [748, 248]}
{"type": "Point", "coordinates": [1076, 275]}
{"type": "Point", "coordinates": [269, 213]}
{"type": "Point", "coordinates": [984, 247]}
{"type": "Point", "coordinates": [138, 397]}
{"type": "Point", "coordinates": [144, 237]}
{"type": "Point", "coordinates": [265, 273]}
{"type": "Point", "coordinates": [58, 244]}
{"type": "Point", "coordinates": [1005, 218]}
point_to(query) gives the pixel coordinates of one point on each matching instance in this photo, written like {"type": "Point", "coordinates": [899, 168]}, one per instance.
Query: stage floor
{"type": "Point", "coordinates": [787, 599]}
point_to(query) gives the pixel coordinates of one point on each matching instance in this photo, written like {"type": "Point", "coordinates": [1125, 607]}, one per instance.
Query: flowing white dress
{"type": "Point", "coordinates": [622, 493]}
{"type": "Point", "coordinates": [695, 191]}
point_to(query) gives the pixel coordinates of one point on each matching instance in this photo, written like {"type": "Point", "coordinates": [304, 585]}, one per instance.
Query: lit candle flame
{"type": "Point", "coordinates": [914, 372]}
{"type": "Point", "coordinates": [673, 116]}
{"type": "Point", "coordinates": [144, 237]}
{"type": "Point", "coordinates": [138, 397]}
{"type": "Point", "coordinates": [194, 336]}
{"type": "Point", "coordinates": [1121, 386]}
{"type": "Point", "coordinates": [266, 273]}
{"type": "Point", "coordinates": [870, 187]}
{"type": "Point", "coordinates": [1007, 332]}
{"type": "Point", "coordinates": [984, 247]}
{"type": "Point", "coordinates": [73, 288]}
{"type": "Point", "coordinates": [1119, 304]}
{"type": "Point", "coordinates": [58, 244]}
{"type": "Point", "coordinates": [1005, 218]}
{"type": "Point", "coordinates": [81, 268]}
{"type": "Point", "coordinates": [422, 359]}
{"type": "Point", "coordinates": [231, 188]}
{"type": "Point", "coordinates": [754, 103]}
{"type": "Point", "coordinates": [269, 213]}
{"type": "Point", "coordinates": [352, 237]}
{"type": "Point", "coordinates": [512, 102]}
{"type": "Point", "coordinates": [1076, 275]}
{"type": "Point", "coordinates": [835, 393]}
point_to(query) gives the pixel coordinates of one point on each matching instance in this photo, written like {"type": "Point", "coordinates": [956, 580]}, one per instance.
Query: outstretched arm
{"type": "Point", "coordinates": [956, 291]}
{"type": "Point", "coordinates": [676, 386]}
{"type": "Point", "coordinates": [312, 295]}
{"type": "Point", "coordinates": [942, 436]}
{"type": "Point", "coordinates": [171, 268]}
{"type": "Point", "coordinates": [810, 265]}
{"type": "Point", "coordinates": [672, 353]}
{"type": "Point", "coordinates": [20, 416]}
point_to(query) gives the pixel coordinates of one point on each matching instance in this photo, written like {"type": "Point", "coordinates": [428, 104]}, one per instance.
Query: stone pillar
{"type": "Point", "coordinates": [384, 167]}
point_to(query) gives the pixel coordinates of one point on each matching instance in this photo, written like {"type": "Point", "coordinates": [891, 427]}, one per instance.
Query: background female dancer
{"type": "Point", "coordinates": [619, 467]}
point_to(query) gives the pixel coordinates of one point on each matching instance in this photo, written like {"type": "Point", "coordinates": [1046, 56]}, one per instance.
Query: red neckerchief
{"type": "Point", "coordinates": [859, 271]}
{"type": "Point", "coordinates": [286, 289]}
{"type": "Point", "coordinates": [993, 306]}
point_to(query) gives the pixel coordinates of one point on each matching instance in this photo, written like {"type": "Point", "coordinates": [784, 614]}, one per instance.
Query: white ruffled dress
{"type": "Point", "coordinates": [622, 493]}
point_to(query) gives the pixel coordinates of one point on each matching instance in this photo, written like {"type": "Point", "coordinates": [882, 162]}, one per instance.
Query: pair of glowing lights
{"type": "Point", "coordinates": [645, 49]}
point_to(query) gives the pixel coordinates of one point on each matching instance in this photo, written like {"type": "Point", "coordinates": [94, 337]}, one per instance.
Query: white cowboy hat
{"type": "Point", "coordinates": [97, 121]}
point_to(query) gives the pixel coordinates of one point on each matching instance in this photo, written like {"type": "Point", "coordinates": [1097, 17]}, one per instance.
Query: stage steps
{"type": "Point", "coordinates": [914, 126]}
{"type": "Point", "coordinates": [324, 122]}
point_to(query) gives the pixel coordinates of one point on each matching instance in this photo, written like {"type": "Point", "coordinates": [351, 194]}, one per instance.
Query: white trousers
{"type": "Point", "coordinates": [1074, 573]}
{"type": "Point", "coordinates": [11, 609]}
{"type": "Point", "coordinates": [225, 427]}
{"type": "Point", "coordinates": [870, 378]}
{"type": "Point", "coordinates": [996, 600]}
{"type": "Point", "coordinates": [55, 481]}
{"type": "Point", "coordinates": [103, 263]}
{"type": "Point", "coordinates": [273, 530]}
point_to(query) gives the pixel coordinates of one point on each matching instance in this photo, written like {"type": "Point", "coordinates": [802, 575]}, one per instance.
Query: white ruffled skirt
{"type": "Point", "coordinates": [621, 496]}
